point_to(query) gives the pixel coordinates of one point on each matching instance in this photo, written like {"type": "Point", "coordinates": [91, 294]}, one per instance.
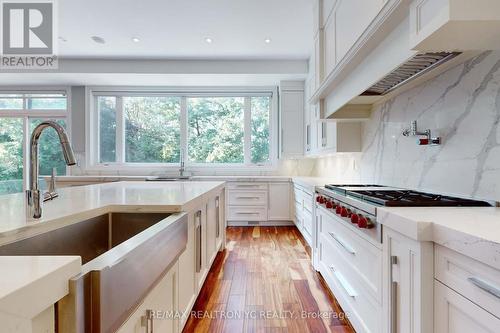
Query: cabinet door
{"type": "Point", "coordinates": [292, 113]}
{"type": "Point", "coordinates": [352, 17]}
{"type": "Point", "coordinates": [279, 201]}
{"type": "Point", "coordinates": [220, 220]}
{"type": "Point", "coordinates": [330, 54]}
{"type": "Point", "coordinates": [201, 266]}
{"type": "Point", "coordinates": [211, 231]}
{"type": "Point", "coordinates": [187, 284]}
{"type": "Point", "coordinates": [408, 276]}
{"type": "Point", "coordinates": [157, 311]}
{"type": "Point", "coordinates": [454, 313]}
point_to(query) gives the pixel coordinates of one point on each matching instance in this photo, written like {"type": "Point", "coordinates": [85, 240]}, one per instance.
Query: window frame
{"type": "Point", "coordinates": [29, 114]}
{"type": "Point", "coordinates": [92, 127]}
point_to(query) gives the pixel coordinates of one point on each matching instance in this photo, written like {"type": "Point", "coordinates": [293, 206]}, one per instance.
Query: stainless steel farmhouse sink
{"type": "Point", "coordinates": [123, 255]}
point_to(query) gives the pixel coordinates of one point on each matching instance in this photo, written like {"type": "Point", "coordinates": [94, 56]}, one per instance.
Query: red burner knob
{"type": "Point", "coordinates": [318, 198]}
{"type": "Point", "coordinates": [329, 204]}
{"type": "Point", "coordinates": [362, 222]}
{"type": "Point", "coordinates": [322, 200]}
{"type": "Point", "coordinates": [343, 212]}
{"type": "Point", "coordinates": [354, 218]}
{"type": "Point", "coordinates": [338, 209]}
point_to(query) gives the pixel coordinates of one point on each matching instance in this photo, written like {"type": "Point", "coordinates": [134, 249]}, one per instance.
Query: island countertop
{"type": "Point", "coordinates": [75, 204]}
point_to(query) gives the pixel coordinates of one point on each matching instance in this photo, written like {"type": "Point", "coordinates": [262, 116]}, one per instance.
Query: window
{"type": "Point", "coordinates": [154, 129]}
{"type": "Point", "coordinates": [216, 129]}
{"type": "Point", "coordinates": [19, 115]}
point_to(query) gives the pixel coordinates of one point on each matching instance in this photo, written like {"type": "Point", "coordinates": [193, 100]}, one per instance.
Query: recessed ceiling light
{"type": "Point", "coordinates": [98, 40]}
{"type": "Point", "coordinates": [267, 40]}
{"type": "Point", "coordinates": [208, 40]}
{"type": "Point", "coordinates": [135, 40]}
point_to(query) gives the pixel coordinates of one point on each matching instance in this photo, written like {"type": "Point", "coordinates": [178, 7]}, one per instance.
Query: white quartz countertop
{"type": "Point", "coordinates": [75, 204]}
{"type": "Point", "coordinates": [234, 178]}
{"type": "Point", "coordinates": [30, 284]}
{"type": "Point", "coordinates": [472, 231]}
{"type": "Point", "coordinates": [311, 182]}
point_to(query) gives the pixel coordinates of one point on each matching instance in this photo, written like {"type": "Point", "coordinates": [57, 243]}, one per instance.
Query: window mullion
{"type": "Point", "coordinates": [184, 131]}
{"type": "Point", "coordinates": [26, 152]}
{"type": "Point", "coordinates": [120, 131]}
{"type": "Point", "coordinates": [247, 130]}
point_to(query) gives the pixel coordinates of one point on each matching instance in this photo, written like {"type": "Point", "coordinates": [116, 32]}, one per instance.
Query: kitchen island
{"type": "Point", "coordinates": [187, 211]}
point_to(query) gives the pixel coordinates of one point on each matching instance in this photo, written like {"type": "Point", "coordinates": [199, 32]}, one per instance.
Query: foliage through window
{"type": "Point", "coordinates": [20, 111]}
{"type": "Point", "coordinates": [156, 128]}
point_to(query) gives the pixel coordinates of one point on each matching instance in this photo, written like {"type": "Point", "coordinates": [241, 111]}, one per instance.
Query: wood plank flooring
{"type": "Point", "coordinates": [264, 282]}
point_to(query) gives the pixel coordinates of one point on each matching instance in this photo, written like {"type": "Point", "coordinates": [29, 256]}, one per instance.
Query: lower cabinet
{"type": "Point", "coordinates": [157, 313]}
{"type": "Point", "coordinates": [303, 202]}
{"type": "Point", "coordinates": [168, 305]}
{"type": "Point", "coordinates": [408, 276]}
{"type": "Point", "coordinates": [454, 313]}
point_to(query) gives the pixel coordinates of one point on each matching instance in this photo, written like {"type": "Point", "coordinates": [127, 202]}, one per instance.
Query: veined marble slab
{"type": "Point", "coordinates": [472, 231]}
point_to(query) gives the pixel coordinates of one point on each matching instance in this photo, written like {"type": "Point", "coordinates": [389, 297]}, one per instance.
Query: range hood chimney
{"type": "Point", "coordinates": [408, 71]}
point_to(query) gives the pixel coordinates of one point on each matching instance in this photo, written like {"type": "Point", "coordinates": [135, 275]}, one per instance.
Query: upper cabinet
{"type": "Point", "coordinates": [357, 43]}
{"type": "Point", "coordinates": [291, 119]}
{"type": "Point", "coordinates": [454, 25]}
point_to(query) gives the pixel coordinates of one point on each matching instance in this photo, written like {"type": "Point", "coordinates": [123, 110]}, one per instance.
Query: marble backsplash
{"type": "Point", "coordinates": [461, 105]}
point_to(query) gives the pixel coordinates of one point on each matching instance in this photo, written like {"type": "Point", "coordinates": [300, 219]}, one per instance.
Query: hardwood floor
{"type": "Point", "coordinates": [264, 282]}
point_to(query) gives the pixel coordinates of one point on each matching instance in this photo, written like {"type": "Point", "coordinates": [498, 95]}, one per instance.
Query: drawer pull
{"type": "Point", "coordinates": [249, 198]}
{"type": "Point", "coordinates": [492, 290]}
{"type": "Point", "coordinates": [247, 185]}
{"type": "Point", "coordinates": [343, 244]}
{"type": "Point", "coordinates": [343, 282]}
{"type": "Point", "coordinates": [247, 213]}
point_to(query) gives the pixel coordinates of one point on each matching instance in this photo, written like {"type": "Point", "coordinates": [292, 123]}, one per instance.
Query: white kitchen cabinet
{"type": "Point", "coordinates": [291, 119]}
{"type": "Point", "coordinates": [303, 213]}
{"type": "Point", "coordinates": [437, 25]}
{"type": "Point", "coordinates": [220, 231]}
{"type": "Point", "coordinates": [318, 59]}
{"type": "Point", "coordinates": [343, 259]}
{"type": "Point", "coordinates": [454, 313]}
{"type": "Point", "coordinates": [157, 313]}
{"type": "Point", "coordinates": [211, 250]}
{"type": "Point", "coordinates": [339, 137]}
{"type": "Point", "coordinates": [408, 277]}
{"type": "Point", "coordinates": [279, 202]}
{"type": "Point", "coordinates": [187, 285]}
{"type": "Point", "coordinates": [330, 57]}
{"type": "Point", "coordinates": [201, 260]}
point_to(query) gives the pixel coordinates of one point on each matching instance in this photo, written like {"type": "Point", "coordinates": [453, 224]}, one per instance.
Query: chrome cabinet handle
{"type": "Point", "coordinates": [147, 321]}
{"type": "Point", "coordinates": [247, 213]}
{"type": "Point", "coordinates": [343, 282]}
{"type": "Point", "coordinates": [217, 217]}
{"type": "Point", "coordinates": [250, 198]}
{"type": "Point", "coordinates": [342, 243]}
{"type": "Point", "coordinates": [394, 297]}
{"type": "Point", "coordinates": [485, 286]}
{"type": "Point", "coordinates": [247, 185]}
{"type": "Point", "coordinates": [198, 241]}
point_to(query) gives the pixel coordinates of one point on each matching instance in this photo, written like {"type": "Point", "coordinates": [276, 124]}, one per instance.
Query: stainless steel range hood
{"type": "Point", "coordinates": [415, 67]}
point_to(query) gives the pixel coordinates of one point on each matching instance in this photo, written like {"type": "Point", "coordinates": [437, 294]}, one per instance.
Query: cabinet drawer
{"type": "Point", "coordinates": [247, 198]}
{"type": "Point", "coordinates": [454, 313]}
{"type": "Point", "coordinates": [247, 186]}
{"type": "Point", "coordinates": [364, 258]}
{"type": "Point", "coordinates": [476, 281]}
{"type": "Point", "coordinates": [247, 213]}
{"type": "Point", "coordinates": [308, 201]}
{"type": "Point", "coordinates": [307, 221]}
{"type": "Point", "coordinates": [365, 312]}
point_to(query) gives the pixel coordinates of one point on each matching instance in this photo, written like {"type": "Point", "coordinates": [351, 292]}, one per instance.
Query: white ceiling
{"type": "Point", "coordinates": [178, 28]}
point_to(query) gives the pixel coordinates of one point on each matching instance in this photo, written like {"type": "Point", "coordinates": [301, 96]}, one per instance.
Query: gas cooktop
{"type": "Point", "coordinates": [395, 197]}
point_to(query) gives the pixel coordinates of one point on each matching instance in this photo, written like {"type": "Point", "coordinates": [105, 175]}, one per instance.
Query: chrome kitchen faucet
{"type": "Point", "coordinates": [33, 195]}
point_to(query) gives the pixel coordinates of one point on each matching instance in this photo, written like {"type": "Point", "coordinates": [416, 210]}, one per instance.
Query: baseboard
{"type": "Point", "coordinates": [259, 223]}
